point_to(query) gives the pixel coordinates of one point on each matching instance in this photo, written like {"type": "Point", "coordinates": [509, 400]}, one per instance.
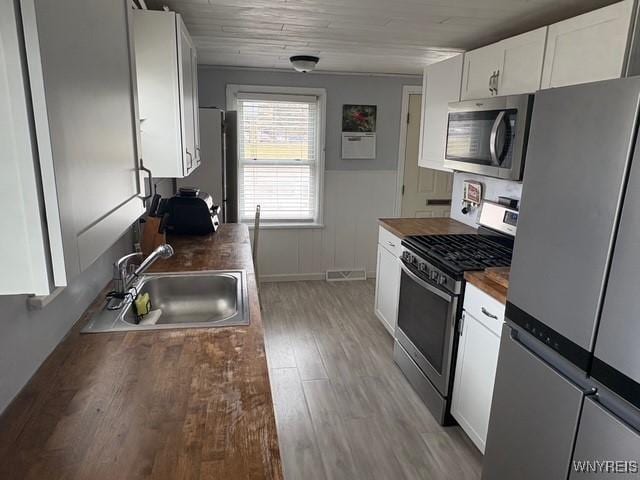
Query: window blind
{"type": "Point", "coordinates": [278, 157]}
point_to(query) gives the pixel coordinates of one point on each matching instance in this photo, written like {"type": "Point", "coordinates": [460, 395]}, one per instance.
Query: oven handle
{"type": "Point", "coordinates": [424, 284]}
{"type": "Point", "coordinates": [494, 137]}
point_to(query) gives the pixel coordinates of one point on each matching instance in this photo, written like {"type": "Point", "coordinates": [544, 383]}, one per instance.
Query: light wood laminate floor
{"type": "Point", "coordinates": [343, 408]}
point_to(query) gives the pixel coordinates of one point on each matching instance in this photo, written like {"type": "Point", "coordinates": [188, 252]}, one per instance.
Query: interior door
{"type": "Point", "coordinates": [534, 417]}
{"type": "Point", "coordinates": [579, 150]}
{"type": "Point", "coordinates": [425, 192]}
{"type": "Point", "coordinates": [602, 437]}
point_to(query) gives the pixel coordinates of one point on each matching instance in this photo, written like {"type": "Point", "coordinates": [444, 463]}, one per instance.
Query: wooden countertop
{"type": "Point", "coordinates": [492, 281]}
{"type": "Point", "coordinates": [166, 404]}
{"type": "Point", "coordinates": [403, 227]}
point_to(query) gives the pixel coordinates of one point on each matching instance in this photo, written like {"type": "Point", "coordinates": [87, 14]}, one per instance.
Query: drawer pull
{"type": "Point", "coordinates": [489, 314]}
{"type": "Point", "coordinates": [391, 244]}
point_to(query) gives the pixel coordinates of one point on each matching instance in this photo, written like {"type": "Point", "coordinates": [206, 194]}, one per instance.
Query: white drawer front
{"type": "Point", "coordinates": [389, 241]}
{"type": "Point", "coordinates": [484, 308]}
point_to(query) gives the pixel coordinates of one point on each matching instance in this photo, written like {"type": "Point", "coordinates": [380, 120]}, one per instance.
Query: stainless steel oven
{"type": "Point", "coordinates": [489, 136]}
{"type": "Point", "coordinates": [426, 331]}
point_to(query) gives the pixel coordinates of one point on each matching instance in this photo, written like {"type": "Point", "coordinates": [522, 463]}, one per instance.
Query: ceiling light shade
{"type": "Point", "coordinates": [304, 63]}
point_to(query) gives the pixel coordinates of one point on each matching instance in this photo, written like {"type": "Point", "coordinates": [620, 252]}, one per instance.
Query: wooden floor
{"type": "Point", "coordinates": [343, 409]}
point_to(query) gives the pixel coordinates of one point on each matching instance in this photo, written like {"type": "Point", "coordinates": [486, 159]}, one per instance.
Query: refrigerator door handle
{"type": "Point", "coordinates": [563, 367]}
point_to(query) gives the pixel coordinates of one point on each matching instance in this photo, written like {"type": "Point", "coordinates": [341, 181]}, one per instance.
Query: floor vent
{"type": "Point", "coordinates": [345, 275]}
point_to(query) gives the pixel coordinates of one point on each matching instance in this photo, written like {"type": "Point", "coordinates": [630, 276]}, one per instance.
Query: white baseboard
{"type": "Point", "coordinates": [300, 277]}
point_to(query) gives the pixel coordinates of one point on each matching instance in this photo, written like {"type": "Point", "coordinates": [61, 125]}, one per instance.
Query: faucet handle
{"type": "Point", "coordinates": [122, 262]}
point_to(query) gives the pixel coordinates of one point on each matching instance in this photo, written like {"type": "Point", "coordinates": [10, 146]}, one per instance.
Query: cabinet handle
{"type": "Point", "coordinates": [491, 83]}
{"type": "Point", "coordinates": [142, 168]}
{"type": "Point", "coordinates": [391, 244]}
{"type": "Point", "coordinates": [488, 314]}
{"type": "Point", "coordinates": [190, 159]}
{"type": "Point", "coordinates": [495, 82]}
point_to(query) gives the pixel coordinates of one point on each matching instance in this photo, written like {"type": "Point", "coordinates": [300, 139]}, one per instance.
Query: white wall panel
{"type": "Point", "coordinates": [353, 202]}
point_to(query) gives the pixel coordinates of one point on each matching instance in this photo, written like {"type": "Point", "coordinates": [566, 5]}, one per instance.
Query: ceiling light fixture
{"type": "Point", "coordinates": [304, 63]}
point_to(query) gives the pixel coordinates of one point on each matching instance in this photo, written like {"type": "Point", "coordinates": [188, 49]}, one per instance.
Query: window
{"type": "Point", "coordinates": [280, 154]}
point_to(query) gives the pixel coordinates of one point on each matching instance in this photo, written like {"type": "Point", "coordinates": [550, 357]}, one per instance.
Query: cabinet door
{"type": "Point", "coordinates": [441, 85]}
{"type": "Point", "coordinates": [159, 94]}
{"type": "Point", "coordinates": [479, 66]}
{"type": "Point", "coordinates": [587, 48]}
{"type": "Point", "coordinates": [522, 59]}
{"type": "Point", "coordinates": [474, 378]}
{"type": "Point", "coordinates": [196, 106]}
{"type": "Point", "coordinates": [85, 112]}
{"type": "Point", "coordinates": [387, 288]}
{"type": "Point", "coordinates": [187, 98]}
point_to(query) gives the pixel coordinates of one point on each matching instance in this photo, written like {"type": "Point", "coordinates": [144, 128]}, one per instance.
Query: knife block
{"type": "Point", "coordinates": [151, 236]}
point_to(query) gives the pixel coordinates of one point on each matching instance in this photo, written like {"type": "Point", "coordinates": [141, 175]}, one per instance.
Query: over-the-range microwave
{"type": "Point", "coordinates": [489, 136]}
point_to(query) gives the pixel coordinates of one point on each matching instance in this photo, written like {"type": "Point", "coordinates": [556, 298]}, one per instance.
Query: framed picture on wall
{"type": "Point", "coordinates": [359, 118]}
{"type": "Point", "coordinates": [359, 131]}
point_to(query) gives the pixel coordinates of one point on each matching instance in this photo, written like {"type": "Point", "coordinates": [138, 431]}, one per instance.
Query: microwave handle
{"type": "Point", "coordinates": [493, 138]}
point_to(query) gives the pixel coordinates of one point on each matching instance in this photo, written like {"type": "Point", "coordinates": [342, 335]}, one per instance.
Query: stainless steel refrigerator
{"type": "Point", "coordinates": [217, 174]}
{"type": "Point", "coordinates": [568, 381]}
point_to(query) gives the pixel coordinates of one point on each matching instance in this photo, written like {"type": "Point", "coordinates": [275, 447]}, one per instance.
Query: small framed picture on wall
{"type": "Point", "coordinates": [359, 131]}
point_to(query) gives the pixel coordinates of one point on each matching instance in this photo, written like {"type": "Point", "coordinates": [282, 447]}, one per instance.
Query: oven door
{"type": "Point", "coordinates": [426, 329]}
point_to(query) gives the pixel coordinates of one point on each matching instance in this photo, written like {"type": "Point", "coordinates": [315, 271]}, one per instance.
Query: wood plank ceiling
{"type": "Point", "coordinates": [380, 36]}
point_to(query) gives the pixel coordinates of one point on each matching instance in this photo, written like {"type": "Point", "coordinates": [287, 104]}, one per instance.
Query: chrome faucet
{"type": "Point", "coordinates": [122, 279]}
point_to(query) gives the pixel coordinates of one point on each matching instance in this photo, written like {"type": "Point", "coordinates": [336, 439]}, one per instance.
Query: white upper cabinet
{"type": "Point", "coordinates": [589, 47]}
{"type": "Point", "coordinates": [82, 99]}
{"type": "Point", "coordinates": [166, 66]}
{"type": "Point", "coordinates": [440, 85]}
{"type": "Point", "coordinates": [522, 60]}
{"type": "Point", "coordinates": [480, 67]}
{"type": "Point", "coordinates": [508, 67]}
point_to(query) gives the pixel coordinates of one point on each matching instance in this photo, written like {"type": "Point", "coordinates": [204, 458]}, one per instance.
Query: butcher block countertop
{"type": "Point", "coordinates": [404, 227]}
{"type": "Point", "coordinates": [164, 404]}
{"type": "Point", "coordinates": [492, 281]}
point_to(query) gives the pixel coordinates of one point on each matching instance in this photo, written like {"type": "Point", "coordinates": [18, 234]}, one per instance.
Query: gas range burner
{"type": "Point", "coordinates": [460, 253]}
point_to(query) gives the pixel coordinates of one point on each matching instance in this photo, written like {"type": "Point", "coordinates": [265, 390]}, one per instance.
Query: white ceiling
{"type": "Point", "coordinates": [381, 36]}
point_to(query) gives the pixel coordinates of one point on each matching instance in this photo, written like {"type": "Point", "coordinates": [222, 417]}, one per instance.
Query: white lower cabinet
{"type": "Point", "coordinates": [387, 279]}
{"type": "Point", "coordinates": [477, 359]}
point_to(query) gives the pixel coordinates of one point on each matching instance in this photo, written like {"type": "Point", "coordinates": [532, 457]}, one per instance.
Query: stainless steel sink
{"type": "Point", "coordinates": [186, 300]}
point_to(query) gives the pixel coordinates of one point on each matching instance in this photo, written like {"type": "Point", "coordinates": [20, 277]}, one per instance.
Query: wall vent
{"type": "Point", "coordinates": [345, 275]}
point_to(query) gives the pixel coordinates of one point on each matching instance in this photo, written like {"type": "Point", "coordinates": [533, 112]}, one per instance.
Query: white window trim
{"type": "Point", "coordinates": [232, 104]}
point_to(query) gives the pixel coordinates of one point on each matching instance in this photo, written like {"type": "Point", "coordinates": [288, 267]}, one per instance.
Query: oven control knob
{"type": "Point", "coordinates": [422, 267]}
{"type": "Point", "coordinates": [406, 256]}
{"type": "Point", "coordinates": [434, 275]}
{"type": "Point", "coordinates": [442, 280]}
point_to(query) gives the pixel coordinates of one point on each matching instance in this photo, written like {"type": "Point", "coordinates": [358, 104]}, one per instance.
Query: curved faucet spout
{"type": "Point", "coordinates": [163, 251]}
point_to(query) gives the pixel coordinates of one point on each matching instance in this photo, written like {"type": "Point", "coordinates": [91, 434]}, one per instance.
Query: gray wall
{"type": "Point", "coordinates": [29, 336]}
{"type": "Point", "coordinates": [383, 91]}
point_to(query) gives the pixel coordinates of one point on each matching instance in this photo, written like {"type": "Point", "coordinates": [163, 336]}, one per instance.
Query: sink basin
{"type": "Point", "coordinates": [186, 300]}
